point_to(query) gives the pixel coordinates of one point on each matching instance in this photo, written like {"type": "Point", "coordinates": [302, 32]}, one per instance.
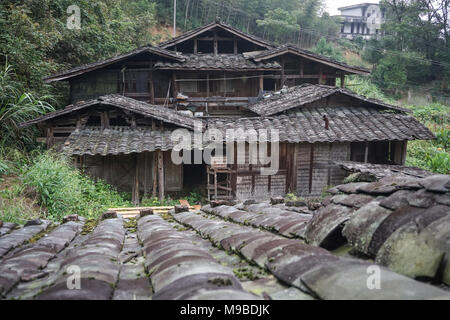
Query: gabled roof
{"type": "Point", "coordinates": [217, 24]}
{"type": "Point", "coordinates": [148, 110]}
{"type": "Point", "coordinates": [345, 124]}
{"type": "Point", "coordinates": [224, 62]}
{"type": "Point", "coordinates": [103, 63]}
{"type": "Point", "coordinates": [307, 93]}
{"type": "Point", "coordinates": [290, 48]}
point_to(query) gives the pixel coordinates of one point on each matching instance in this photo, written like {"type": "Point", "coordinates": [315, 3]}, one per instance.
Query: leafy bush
{"type": "Point", "coordinates": [327, 49]}
{"type": "Point", "coordinates": [64, 190]}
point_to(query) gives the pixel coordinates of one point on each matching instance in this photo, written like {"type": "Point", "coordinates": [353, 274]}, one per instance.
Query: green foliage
{"type": "Point", "coordinates": [64, 190]}
{"type": "Point", "coordinates": [432, 155]}
{"type": "Point", "coordinates": [365, 87]}
{"type": "Point", "coordinates": [278, 22]}
{"type": "Point", "coordinates": [154, 202]}
{"type": "Point", "coordinates": [17, 106]}
{"type": "Point", "coordinates": [328, 49]}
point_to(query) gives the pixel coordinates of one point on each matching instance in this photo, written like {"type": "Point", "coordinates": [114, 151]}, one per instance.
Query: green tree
{"type": "Point", "coordinates": [278, 22]}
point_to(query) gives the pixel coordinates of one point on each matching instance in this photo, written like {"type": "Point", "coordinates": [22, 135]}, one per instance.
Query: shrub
{"type": "Point", "coordinates": [64, 190]}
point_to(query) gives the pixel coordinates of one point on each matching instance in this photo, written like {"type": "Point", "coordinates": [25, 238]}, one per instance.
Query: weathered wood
{"type": "Point", "coordinates": [261, 83]}
{"type": "Point", "coordinates": [155, 174]}
{"type": "Point", "coordinates": [135, 191]}
{"type": "Point", "coordinates": [152, 89]}
{"type": "Point", "coordinates": [342, 80]}
{"type": "Point", "coordinates": [160, 175]}
{"type": "Point", "coordinates": [311, 166]}
{"type": "Point", "coordinates": [366, 152]}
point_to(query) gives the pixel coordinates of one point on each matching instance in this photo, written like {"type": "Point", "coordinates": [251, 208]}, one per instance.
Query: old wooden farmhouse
{"type": "Point", "coordinates": [124, 109]}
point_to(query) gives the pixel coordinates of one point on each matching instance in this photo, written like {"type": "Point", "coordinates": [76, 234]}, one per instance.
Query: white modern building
{"type": "Point", "coordinates": [361, 20]}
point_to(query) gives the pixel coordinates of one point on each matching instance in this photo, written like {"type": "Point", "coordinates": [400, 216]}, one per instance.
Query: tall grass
{"type": "Point", "coordinates": [17, 106]}
{"type": "Point", "coordinates": [63, 190]}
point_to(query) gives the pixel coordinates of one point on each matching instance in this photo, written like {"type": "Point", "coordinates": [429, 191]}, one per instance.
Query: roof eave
{"type": "Point", "coordinates": [70, 74]}
{"type": "Point", "coordinates": [193, 33]}
{"type": "Point", "coordinates": [348, 69]}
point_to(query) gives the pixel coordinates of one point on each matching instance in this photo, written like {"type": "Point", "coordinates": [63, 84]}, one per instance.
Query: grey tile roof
{"type": "Point", "coordinates": [345, 124]}
{"type": "Point", "coordinates": [103, 63]}
{"type": "Point", "coordinates": [307, 93]}
{"type": "Point", "coordinates": [290, 48]}
{"type": "Point", "coordinates": [406, 214]}
{"type": "Point", "coordinates": [117, 140]}
{"type": "Point", "coordinates": [378, 171]}
{"type": "Point", "coordinates": [229, 62]}
{"type": "Point", "coordinates": [166, 115]}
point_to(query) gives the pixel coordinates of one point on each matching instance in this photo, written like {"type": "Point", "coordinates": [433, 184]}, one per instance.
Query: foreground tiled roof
{"type": "Point", "coordinates": [344, 124]}
{"type": "Point", "coordinates": [117, 140]}
{"type": "Point", "coordinates": [103, 63]}
{"type": "Point", "coordinates": [307, 93]}
{"type": "Point", "coordinates": [233, 251]}
{"type": "Point", "coordinates": [378, 171]}
{"type": "Point", "coordinates": [167, 115]}
{"type": "Point", "coordinates": [400, 221]}
{"type": "Point", "coordinates": [229, 62]}
{"type": "Point", "coordinates": [290, 48]}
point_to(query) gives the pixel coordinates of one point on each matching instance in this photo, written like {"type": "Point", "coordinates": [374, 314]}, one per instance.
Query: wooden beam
{"type": "Point", "coordinates": [160, 175]}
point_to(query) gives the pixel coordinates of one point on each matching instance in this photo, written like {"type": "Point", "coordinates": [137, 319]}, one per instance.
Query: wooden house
{"type": "Point", "coordinates": [124, 109]}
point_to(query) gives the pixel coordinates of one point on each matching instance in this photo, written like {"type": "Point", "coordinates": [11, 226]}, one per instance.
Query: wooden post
{"type": "Point", "coordinates": [366, 152]}
{"type": "Point", "coordinates": [174, 90]}
{"type": "Point", "coordinates": [283, 77]}
{"type": "Point", "coordinates": [207, 92]}
{"type": "Point", "coordinates": [302, 68]}
{"type": "Point", "coordinates": [294, 168]}
{"type": "Point", "coordinates": [160, 175]}
{"type": "Point", "coordinates": [320, 74]}
{"type": "Point", "coordinates": [135, 195]}
{"type": "Point", "coordinates": [311, 166]}
{"type": "Point", "coordinates": [216, 45]}
{"type": "Point", "coordinates": [195, 45]}
{"type": "Point", "coordinates": [261, 83]}
{"type": "Point", "coordinates": [152, 89]}
{"type": "Point", "coordinates": [342, 80]}
{"type": "Point", "coordinates": [155, 174]}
